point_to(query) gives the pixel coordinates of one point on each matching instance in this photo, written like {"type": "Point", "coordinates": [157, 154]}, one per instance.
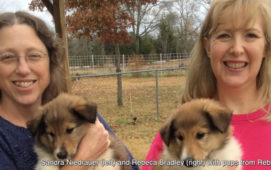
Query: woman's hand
{"type": "Point", "coordinates": [92, 146]}
{"type": "Point", "coordinates": [232, 168]}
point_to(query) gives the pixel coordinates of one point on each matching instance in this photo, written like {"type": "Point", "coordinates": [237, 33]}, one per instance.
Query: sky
{"type": "Point", "coordinates": [22, 5]}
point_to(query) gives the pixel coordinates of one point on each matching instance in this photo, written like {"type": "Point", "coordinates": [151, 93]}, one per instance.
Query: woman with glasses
{"type": "Point", "coordinates": [31, 74]}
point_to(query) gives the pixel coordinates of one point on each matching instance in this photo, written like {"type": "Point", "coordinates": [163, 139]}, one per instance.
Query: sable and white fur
{"type": "Point", "coordinates": [201, 131]}
{"type": "Point", "coordinates": [59, 127]}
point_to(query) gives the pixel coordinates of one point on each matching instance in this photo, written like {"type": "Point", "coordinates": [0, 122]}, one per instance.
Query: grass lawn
{"type": "Point", "coordinates": [139, 101]}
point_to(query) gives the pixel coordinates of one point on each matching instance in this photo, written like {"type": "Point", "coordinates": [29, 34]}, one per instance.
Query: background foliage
{"type": "Point", "coordinates": [138, 26]}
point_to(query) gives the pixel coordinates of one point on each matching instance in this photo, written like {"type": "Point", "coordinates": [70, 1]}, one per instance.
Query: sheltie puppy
{"type": "Point", "coordinates": [58, 129]}
{"type": "Point", "coordinates": [199, 137]}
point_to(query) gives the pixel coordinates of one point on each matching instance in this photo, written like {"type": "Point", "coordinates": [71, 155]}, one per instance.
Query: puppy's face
{"type": "Point", "coordinates": [200, 127]}
{"type": "Point", "coordinates": [61, 124]}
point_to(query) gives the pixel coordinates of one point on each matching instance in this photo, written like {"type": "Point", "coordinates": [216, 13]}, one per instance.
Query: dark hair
{"type": "Point", "coordinates": [54, 47]}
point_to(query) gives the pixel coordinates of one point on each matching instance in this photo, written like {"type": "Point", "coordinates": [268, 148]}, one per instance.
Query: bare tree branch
{"type": "Point", "coordinates": [49, 6]}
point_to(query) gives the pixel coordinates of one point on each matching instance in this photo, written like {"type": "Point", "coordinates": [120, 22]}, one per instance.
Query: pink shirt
{"type": "Point", "coordinates": [253, 134]}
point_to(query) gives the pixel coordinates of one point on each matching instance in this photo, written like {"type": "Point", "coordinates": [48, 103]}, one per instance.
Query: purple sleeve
{"type": "Point", "coordinates": [107, 127]}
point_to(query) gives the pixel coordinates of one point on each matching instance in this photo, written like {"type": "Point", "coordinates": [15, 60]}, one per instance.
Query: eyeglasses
{"type": "Point", "coordinates": [31, 58]}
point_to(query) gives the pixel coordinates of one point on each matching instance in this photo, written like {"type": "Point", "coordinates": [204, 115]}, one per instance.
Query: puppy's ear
{"type": "Point", "coordinates": [167, 132]}
{"type": "Point", "coordinates": [37, 124]}
{"type": "Point", "coordinates": [87, 111]}
{"type": "Point", "coordinates": [219, 118]}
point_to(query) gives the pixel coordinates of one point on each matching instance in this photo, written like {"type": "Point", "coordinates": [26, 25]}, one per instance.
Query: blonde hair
{"type": "Point", "coordinates": [201, 82]}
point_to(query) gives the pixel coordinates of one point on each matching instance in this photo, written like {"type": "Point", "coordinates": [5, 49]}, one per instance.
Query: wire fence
{"type": "Point", "coordinates": [151, 73]}
{"type": "Point", "coordinates": [151, 91]}
{"type": "Point", "coordinates": [104, 64]}
{"type": "Point", "coordinates": [106, 85]}
{"type": "Point", "coordinates": [136, 66]}
{"type": "Point", "coordinates": [149, 97]}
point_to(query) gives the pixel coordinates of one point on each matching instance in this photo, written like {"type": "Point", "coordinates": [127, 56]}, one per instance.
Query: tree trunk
{"type": "Point", "coordinates": [118, 70]}
{"type": "Point", "coordinates": [137, 44]}
{"type": "Point", "coordinates": [60, 27]}
{"type": "Point", "coordinates": [138, 23]}
{"type": "Point", "coordinates": [103, 49]}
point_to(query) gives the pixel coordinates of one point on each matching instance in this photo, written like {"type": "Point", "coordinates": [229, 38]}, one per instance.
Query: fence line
{"type": "Point", "coordinates": [129, 72]}
{"type": "Point", "coordinates": [104, 64]}
{"type": "Point", "coordinates": [141, 71]}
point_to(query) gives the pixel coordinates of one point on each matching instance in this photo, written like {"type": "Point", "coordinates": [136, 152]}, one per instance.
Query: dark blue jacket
{"type": "Point", "coordinates": [16, 146]}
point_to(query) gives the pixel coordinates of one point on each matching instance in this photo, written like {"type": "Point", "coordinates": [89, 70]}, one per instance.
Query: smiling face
{"type": "Point", "coordinates": [23, 77]}
{"type": "Point", "coordinates": [236, 51]}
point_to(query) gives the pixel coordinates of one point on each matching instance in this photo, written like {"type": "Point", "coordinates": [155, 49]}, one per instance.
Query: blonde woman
{"type": "Point", "coordinates": [231, 63]}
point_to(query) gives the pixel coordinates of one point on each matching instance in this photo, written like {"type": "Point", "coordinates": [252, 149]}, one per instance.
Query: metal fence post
{"type": "Point", "coordinates": [161, 62]}
{"type": "Point", "coordinates": [92, 60]}
{"type": "Point", "coordinates": [123, 63]}
{"type": "Point", "coordinates": [161, 59]}
{"type": "Point", "coordinates": [157, 94]}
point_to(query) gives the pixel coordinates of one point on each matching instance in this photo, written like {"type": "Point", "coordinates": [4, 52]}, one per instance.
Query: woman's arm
{"type": "Point", "coordinates": [5, 162]}
{"type": "Point", "coordinates": [107, 127]}
{"type": "Point", "coordinates": [154, 151]}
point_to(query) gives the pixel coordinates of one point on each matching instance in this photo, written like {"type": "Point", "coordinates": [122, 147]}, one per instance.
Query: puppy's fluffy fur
{"type": "Point", "coordinates": [201, 131]}
{"type": "Point", "coordinates": [59, 127]}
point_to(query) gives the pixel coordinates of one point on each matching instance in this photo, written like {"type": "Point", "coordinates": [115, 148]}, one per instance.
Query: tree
{"type": "Point", "coordinates": [103, 18]}
{"type": "Point", "coordinates": [189, 16]}
{"type": "Point", "coordinates": [167, 33]}
{"type": "Point", "coordinates": [147, 45]}
{"type": "Point", "coordinates": [79, 46]}
{"type": "Point", "coordinates": [145, 16]}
